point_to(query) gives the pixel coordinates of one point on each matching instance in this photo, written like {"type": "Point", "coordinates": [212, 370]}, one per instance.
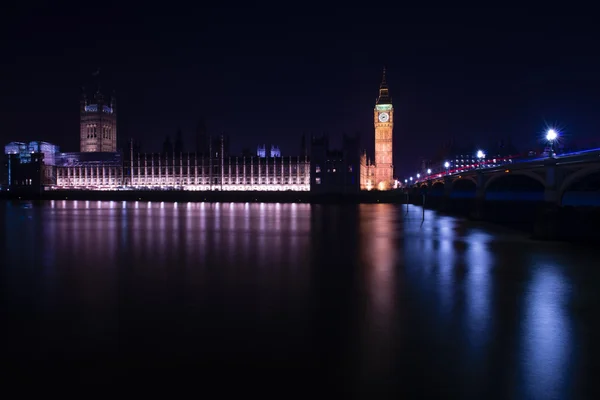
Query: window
{"type": "Point", "coordinates": [349, 168]}
{"type": "Point", "coordinates": [317, 169]}
{"type": "Point", "coordinates": [318, 181]}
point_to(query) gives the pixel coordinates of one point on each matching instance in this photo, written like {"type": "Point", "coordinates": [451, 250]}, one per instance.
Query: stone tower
{"type": "Point", "coordinates": [384, 127]}
{"type": "Point", "coordinates": [98, 129]}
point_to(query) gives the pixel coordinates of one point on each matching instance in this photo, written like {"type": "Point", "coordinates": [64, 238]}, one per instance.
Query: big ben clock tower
{"type": "Point", "coordinates": [384, 127]}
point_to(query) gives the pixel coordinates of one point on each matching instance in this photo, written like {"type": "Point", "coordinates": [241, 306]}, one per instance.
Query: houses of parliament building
{"type": "Point", "coordinates": [99, 166]}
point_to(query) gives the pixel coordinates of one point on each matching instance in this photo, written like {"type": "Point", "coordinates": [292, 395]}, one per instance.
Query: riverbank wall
{"type": "Point", "coordinates": [212, 196]}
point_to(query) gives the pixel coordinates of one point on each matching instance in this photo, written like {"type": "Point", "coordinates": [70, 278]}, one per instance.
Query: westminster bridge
{"type": "Point", "coordinates": [558, 195]}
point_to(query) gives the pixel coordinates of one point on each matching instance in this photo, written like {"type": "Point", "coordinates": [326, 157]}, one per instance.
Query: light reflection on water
{"type": "Point", "coordinates": [382, 296]}
{"type": "Point", "coordinates": [547, 334]}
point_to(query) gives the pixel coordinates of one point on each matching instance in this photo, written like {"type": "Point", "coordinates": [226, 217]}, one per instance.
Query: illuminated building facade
{"type": "Point", "coordinates": [183, 171]}
{"type": "Point", "coordinates": [98, 124]}
{"type": "Point", "coordinates": [87, 170]}
{"type": "Point", "coordinates": [98, 165]}
{"type": "Point", "coordinates": [380, 175]}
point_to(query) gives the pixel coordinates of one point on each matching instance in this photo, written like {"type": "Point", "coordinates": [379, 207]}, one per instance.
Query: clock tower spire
{"type": "Point", "coordinates": [384, 93]}
{"type": "Point", "coordinates": [384, 127]}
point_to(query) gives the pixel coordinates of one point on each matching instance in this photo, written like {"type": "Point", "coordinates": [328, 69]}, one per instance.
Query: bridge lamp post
{"type": "Point", "coordinates": [447, 165]}
{"type": "Point", "coordinates": [428, 171]}
{"type": "Point", "coordinates": [418, 176]}
{"type": "Point", "coordinates": [551, 137]}
{"type": "Point", "coordinates": [480, 157]}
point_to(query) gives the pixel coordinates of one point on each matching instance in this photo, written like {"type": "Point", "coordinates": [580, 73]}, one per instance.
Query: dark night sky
{"type": "Point", "coordinates": [269, 75]}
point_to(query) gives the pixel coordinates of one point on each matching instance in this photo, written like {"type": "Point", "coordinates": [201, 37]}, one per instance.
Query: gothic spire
{"type": "Point", "coordinates": [384, 94]}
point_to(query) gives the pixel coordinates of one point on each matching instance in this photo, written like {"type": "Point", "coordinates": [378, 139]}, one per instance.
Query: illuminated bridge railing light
{"type": "Point", "coordinates": [451, 169]}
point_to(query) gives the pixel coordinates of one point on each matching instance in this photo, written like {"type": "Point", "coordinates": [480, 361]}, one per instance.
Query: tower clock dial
{"type": "Point", "coordinates": [384, 117]}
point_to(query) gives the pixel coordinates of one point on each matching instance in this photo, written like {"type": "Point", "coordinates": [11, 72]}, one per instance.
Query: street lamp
{"type": "Point", "coordinates": [428, 171]}
{"type": "Point", "coordinates": [447, 165]}
{"type": "Point", "coordinates": [406, 181]}
{"type": "Point", "coordinates": [551, 136]}
{"type": "Point", "coordinates": [480, 156]}
{"type": "Point", "coordinates": [410, 178]}
{"type": "Point", "coordinates": [418, 176]}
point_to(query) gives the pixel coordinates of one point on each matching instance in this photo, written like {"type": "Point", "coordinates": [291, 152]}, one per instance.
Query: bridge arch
{"type": "Point", "coordinates": [576, 177]}
{"type": "Point", "coordinates": [438, 185]}
{"type": "Point", "coordinates": [528, 174]}
{"type": "Point", "coordinates": [436, 189]}
{"type": "Point", "coordinates": [463, 179]}
{"type": "Point", "coordinates": [464, 188]}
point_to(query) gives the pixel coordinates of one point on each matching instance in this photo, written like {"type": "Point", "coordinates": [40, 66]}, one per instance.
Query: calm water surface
{"type": "Point", "coordinates": [365, 301]}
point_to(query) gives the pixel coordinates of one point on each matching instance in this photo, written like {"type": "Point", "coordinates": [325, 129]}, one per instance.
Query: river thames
{"type": "Point", "coordinates": [366, 301]}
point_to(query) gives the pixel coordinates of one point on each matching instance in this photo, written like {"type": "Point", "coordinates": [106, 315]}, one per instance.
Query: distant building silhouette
{"type": "Point", "coordinates": [178, 147]}
{"type": "Point", "coordinates": [335, 170]}
{"type": "Point", "coordinates": [202, 139]}
{"type": "Point", "coordinates": [133, 145]}
{"type": "Point", "coordinates": [303, 146]}
{"type": "Point", "coordinates": [167, 145]}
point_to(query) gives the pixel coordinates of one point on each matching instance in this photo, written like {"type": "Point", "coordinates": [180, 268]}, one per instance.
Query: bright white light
{"type": "Point", "coordinates": [428, 171]}
{"type": "Point", "coordinates": [406, 180]}
{"type": "Point", "coordinates": [418, 176]}
{"type": "Point", "coordinates": [551, 135]}
{"type": "Point", "coordinates": [480, 154]}
{"type": "Point", "coordinates": [447, 164]}
{"type": "Point", "coordinates": [410, 178]}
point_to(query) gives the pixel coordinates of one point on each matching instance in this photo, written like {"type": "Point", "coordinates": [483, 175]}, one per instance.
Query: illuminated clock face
{"type": "Point", "coordinates": [384, 117]}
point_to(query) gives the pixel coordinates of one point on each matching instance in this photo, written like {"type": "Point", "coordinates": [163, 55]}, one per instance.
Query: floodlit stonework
{"type": "Point", "coordinates": [380, 175]}
{"type": "Point", "coordinates": [98, 129]}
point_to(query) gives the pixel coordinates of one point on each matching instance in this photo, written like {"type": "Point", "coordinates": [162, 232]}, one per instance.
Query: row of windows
{"type": "Point", "coordinates": [23, 182]}
{"type": "Point", "coordinates": [79, 172]}
{"type": "Point", "coordinates": [233, 181]}
{"type": "Point", "coordinates": [331, 170]}
{"type": "Point", "coordinates": [216, 171]}
{"type": "Point", "coordinates": [92, 131]}
{"type": "Point", "coordinates": [184, 164]}
{"type": "Point", "coordinates": [99, 172]}
{"type": "Point", "coordinates": [107, 181]}
{"type": "Point", "coordinates": [96, 147]}
{"type": "Point", "coordinates": [75, 181]}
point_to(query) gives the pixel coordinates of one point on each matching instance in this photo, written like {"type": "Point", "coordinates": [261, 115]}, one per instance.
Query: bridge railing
{"type": "Point", "coordinates": [498, 162]}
